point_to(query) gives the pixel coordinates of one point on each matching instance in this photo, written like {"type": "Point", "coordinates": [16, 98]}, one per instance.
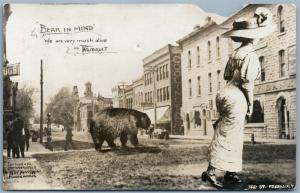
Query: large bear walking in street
{"type": "Point", "coordinates": [111, 123]}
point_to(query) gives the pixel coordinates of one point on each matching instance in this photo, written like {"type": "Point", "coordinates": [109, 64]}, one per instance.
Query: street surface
{"type": "Point", "coordinates": [159, 165]}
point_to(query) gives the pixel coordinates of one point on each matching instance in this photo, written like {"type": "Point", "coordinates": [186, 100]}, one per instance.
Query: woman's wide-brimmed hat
{"type": "Point", "coordinates": [257, 27]}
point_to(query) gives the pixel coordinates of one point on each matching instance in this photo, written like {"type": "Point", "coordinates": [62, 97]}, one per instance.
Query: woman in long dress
{"type": "Point", "coordinates": [235, 100]}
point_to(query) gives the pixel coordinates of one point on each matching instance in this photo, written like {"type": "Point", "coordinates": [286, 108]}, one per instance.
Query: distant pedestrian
{"type": "Point", "coordinates": [18, 137]}
{"type": "Point", "coordinates": [9, 139]}
{"type": "Point", "coordinates": [69, 140]}
{"type": "Point", "coordinates": [27, 137]}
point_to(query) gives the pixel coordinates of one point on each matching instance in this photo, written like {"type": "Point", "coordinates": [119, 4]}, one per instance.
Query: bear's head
{"type": "Point", "coordinates": [143, 121]}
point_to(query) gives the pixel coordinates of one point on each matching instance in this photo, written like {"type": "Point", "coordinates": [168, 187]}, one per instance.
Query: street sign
{"type": "Point", "coordinates": [145, 104]}
{"type": "Point", "coordinates": [12, 70]}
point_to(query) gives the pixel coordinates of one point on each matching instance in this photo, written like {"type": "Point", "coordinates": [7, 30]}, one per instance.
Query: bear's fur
{"type": "Point", "coordinates": [108, 124]}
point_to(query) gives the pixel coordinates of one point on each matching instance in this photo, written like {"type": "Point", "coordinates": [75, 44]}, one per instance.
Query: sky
{"type": "Point", "coordinates": [132, 32]}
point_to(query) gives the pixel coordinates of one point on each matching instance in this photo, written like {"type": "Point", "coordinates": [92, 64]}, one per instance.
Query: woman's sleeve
{"type": "Point", "coordinates": [251, 68]}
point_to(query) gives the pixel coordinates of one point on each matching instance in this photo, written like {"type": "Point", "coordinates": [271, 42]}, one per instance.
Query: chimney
{"type": "Point", "coordinates": [196, 27]}
{"type": "Point", "coordinates": [208, 19]}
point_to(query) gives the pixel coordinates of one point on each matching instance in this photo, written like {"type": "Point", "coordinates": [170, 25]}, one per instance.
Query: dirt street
{"type": "Point", "coordinates": [163, 165]}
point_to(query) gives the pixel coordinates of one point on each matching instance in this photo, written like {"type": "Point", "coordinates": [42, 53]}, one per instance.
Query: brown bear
{"type": "Point", "coordinates": [108, 124]}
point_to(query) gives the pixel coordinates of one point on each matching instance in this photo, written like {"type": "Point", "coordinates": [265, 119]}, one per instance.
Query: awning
{"type": "Point", "coordinates": [166, 118]}
{"type": "Point", "coordinates": [162, 114]}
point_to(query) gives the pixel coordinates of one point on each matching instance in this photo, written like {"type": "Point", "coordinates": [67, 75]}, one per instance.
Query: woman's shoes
{"type": "Point", "coordinates": [232, 177]}
{"type": "Point", "coordinates": [212, 179]}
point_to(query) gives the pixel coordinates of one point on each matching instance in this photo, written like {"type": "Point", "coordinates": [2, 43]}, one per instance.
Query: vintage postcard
{"type": "Point", "coordinates": [149, 97]}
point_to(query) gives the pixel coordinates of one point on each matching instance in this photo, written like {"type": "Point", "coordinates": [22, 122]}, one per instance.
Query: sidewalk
{"type": "Point", "coordinates": [246, 139]}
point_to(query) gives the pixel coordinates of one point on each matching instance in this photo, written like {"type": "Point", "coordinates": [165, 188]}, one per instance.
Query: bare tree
{"type": "Point", "coordinates": [25, 102]}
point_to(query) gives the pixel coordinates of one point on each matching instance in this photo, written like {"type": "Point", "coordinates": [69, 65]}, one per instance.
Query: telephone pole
{"type": "Point", "coordinates": [41, 113]}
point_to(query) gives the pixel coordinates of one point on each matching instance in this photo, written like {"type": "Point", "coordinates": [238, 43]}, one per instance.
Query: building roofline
{"type": "Point", "coordinates": [158, 52]}
{"type": "Point", "coordinates": [197, 31]}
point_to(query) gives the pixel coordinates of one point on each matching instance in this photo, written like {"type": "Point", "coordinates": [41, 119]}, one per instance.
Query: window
{"type": "Point", "coordinates": [189, 58]}
{"type": "Point", "coordinates": [164, 73]}
{"type": "Point", "coordinates": [151, 96]}
{"type": "Point", "coordinates": [164, 93]}
{"type": "Point", "coordinates": [168, 94]}
{"type": "Point", "coordinates": [209, 51]}
{"type": "Point", "coordinates": [211, 104]}
{"type": "Point", "coordinates": [258, 113]}
{"type": "Point", "coordinates": [218, 46]}
{"type": "Point", "coordinates": [199, 85]}
{"type": "Point", "coordinates": [190, 87]}
{"type": "Point", "coordinates": [167, 71]}
{"type": "Point", "coordinates": [160, 94]}
{"type": "Point", "coordinates": [262, 65]}
{"type": "Point", "coordinates": [210, 83]}
{"type": "Point", "coordinates": [150, 75]}
{"type": "Point", "coordinates": [282, 65]}
{"type": "Point", "coordinates": [157, 75]}
{"type": "Point", "coordinates": [280, 19]}
{"type": "Point", "coordinates": [198, 56]}
{"type": "Point", "coordinates": [218, 80]}
{"type": "Point", "coordinates": [160, 73]}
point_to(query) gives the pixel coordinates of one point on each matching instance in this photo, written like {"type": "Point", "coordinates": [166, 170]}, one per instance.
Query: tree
{"type": "Point", "coordinates": [61, 107]}
{"type": "Point", "coordinates": [24, 103]}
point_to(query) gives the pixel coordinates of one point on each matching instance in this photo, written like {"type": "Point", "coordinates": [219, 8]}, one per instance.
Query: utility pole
{"type": "Point", "coordinates": [41, 113]}
{"type": "Point", "coordinates": [154, 95]}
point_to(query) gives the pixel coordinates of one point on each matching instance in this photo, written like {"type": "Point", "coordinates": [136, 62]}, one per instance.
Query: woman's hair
{"type": "Point", "coordinates": [242, 39]}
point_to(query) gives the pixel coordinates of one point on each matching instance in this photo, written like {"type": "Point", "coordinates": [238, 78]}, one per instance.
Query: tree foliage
{"type": "Point", "coordinates": [24, 103]}
{"type": "Point", "coordinates": [61, 107]}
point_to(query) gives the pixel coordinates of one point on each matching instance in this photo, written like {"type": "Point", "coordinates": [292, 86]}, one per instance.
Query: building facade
{"type": "Point", "coordinates": [274, 106]}
{"type": "Point", "coordinates": [162, 88]}
{"type": "Point", "coordinates": [87, 106]}
{"type": "Point", "coordinates": [204, 54]}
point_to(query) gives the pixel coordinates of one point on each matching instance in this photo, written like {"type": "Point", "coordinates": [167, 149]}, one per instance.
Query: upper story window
{"type": "Point", "coordinates": [218, 80]}
{"type": "Point", "coordinates": [164, 73]}
{"type": "Point", "coordinates": [198, 56]}
{"type": "Point", "coordinates": [210, 83]}
{"type": "Point", "coordinates": [160, 73]}
{"type": "Point", "coordinates": [190, 87]}
{"type": "Point", "coordinates": [209, 51]}
{"type": "Point", "coordinates": [157, 74]}
{"type": "Point", "coordinates": [199, 85]}
{"type": "Point", "coordinates": [168, 94]}
{"type": "Point", "coordinates": [167, 71]}
{"type": "Point", "coordinates": [218, 47]}
{"type": "Point", "coordinates": [262, 65]}
{"type": "Point", "coordinates": [190, 59]}
{"type": "Point", "coordinates": [280, 19]}
{"type": "Point", "coordinates": [282, 64]}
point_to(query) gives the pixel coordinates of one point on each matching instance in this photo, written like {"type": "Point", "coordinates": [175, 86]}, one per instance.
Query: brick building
{"type": "Point", "coordinates": [203, 57]}
{"type": "Point", "coordinates": [274, 112]}
{"type": "Point", "coordinates": [87, 106]}
{"type": "Point", "coordinates": [162, 88]}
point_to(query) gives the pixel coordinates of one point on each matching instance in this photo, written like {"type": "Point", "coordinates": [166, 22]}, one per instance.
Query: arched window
{"type": "Point", "coordinates": [190, 59]}
{"type": "Point", "coordinates": [199, 86]}
{"type": "Point", "coordinates": [209, 83]}
{"type": "Point", "coordinates": [280, 19]}
{"type": "Point", "coordinates": [258, 113]}
{"type": "Point", "coordinates": [282, 64]}
{"type": "Point", "coordinates": [262, 65]}
{"type": "Point", "coordinates": [218, 80]}
{"type": "Point", "coordinates": [190, 87]}
{"type": "Point", "coordinates": [218, 47]}
{"type": "Point", "coordinates": [209, 51]}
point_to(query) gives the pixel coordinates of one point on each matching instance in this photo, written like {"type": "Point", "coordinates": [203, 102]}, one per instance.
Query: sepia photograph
{"type": "Point", "coordinates": [156, 97]}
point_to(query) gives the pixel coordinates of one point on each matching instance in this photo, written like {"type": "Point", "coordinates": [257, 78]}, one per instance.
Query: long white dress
{"type": "Point", "coordinates": [226, 149]}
